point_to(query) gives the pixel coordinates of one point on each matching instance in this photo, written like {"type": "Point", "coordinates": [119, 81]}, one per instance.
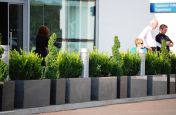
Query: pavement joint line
{"type": "Point", "coordinates": [90, 104]}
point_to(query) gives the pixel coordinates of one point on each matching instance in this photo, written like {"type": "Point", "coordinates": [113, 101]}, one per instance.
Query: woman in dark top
{"type": "Point", "coordinates": [42, 41]}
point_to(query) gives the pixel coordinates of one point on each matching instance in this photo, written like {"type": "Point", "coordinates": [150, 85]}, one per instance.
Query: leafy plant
{"type": "Point", "coordinates": [131, 63]}
{"type": "Point", "coordinates": [152, 63]}
{"type": "Point", "coordinates": [165, 65]}
{"type": "Point", "coordinates": [99, 64]}
{"type": "Point", "coordinates": [165, 59]}
{"type": "Point", "coordinates": [164, 51]}
{"type": "Point", "coordinates": [1, 48]}
{"type": "Point", "coordinates": [116, 69]}
{"type": "Point", "coordinates": [3, 70]}
{"type": "Point", "coordinates": [24, 66]}
{"type": "Point", "coordinates": [51, 71]}
{"type": "Point", "coordinates": [116, 58]}
{"type": "Point", "coordinates": [173, 63]}
{"type": "Point", "coordinates": [115, 48]}
{"type": "Point", "coordinates": [157, 63]}
{"type": "Point", "coordinates": [69, 65]}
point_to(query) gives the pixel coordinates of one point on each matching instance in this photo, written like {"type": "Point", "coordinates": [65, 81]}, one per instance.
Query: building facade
{"type": "Point", "coordinates": [73, 21]}
{"type": "Point", "coordinates": [79, 23]}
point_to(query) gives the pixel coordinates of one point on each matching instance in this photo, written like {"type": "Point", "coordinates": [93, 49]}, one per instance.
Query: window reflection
{"type": "Point", "coordinates": [69, 19]}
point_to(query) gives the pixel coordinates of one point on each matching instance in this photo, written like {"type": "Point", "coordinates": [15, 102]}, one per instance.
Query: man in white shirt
{"type": "Point", "coordinates": [146, 35]}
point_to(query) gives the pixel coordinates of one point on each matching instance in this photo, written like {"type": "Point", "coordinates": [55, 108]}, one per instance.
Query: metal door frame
{"type": "Point", "coordinates": [26, 20]}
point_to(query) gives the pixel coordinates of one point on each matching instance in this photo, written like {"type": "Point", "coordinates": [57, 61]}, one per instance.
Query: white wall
{"type": "Point", "coordinates": [125, 18]}
{"type": "Point", "coordinates": [169, 19]}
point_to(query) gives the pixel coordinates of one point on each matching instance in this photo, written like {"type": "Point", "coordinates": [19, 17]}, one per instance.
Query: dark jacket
{"type": "Point", "coordinates": [42, 45]}
{"type": "Point", "coordinates": [159, 37]}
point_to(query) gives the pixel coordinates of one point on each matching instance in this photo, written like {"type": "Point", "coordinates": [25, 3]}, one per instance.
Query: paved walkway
{"type": "Point", "coordinates": [158, 107]}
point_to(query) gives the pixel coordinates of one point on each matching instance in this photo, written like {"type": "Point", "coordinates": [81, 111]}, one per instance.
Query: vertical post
{"type": "Point", "coordinates": [85, 58]}
{"type": "Point", "coordinates": [142, 66]}
{"type": "Point", "coordinates": [10, 40]}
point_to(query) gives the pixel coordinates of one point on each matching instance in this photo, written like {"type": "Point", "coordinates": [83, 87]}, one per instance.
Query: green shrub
{"type": "Point", "coordinates": [115, 49]}
{"type": "Point", "coordinates": [3, 70]}
{"type": "Point", "coordinates": [165, 64]}
{"type": "Point", "coordinates": [131, 63]}
{"type": "Point", "coordinates": [69, 65]}
{"type": "Point", "coordinates": [173, 63]}
{"type": "Point", "coordinates": [157, 63]}
{"type": "Point", "coordinates": [116, 68]}
{"type": "Point", "coordinates": [23, 66]}
{"type": "Point", "coordinates": [1, 51]}
{"type": "Point", "coordinates": [152, 66]}
{"type": "Point", "coordinates": [116, 61]}
{"type": "Point", "coordinates": [51, 70]}
{"type": "Point", "coordinates": [99, 64]}
{"type": "Point", "coordinates": [1, 48]}
{"type": "Point", "coordinates": [165, 59]}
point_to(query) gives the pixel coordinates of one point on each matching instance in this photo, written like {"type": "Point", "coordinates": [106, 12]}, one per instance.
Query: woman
{"type": "Point", "coordinates": [42, 41]}
{"type": "Point", "coordinates": [139, 46]}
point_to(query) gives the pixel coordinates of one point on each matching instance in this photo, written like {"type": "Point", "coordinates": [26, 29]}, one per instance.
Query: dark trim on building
{"type": "Point", "coordinates": [77, 40]}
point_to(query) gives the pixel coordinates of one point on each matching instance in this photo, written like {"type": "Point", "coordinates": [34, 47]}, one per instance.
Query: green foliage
{"type": "Point", "coordinates": [156, 63]}
{"type": "Point", "coordinates": [131, 63]}
{"type": "Point", "coordinates": [152, 63]}
{"type": "Point", "coordinates": [173, 63]}
{"type": "Point", "coordinates": [164, 51]}
{"type": "Point", "coordinates": [23, 66]}
{"type": "Point", "coordinates": [99, 64]}
{"type": "Point", "coordinates": [116, 69]}
{"type": "Point", "coordinates": [51, 71]}
{"type": "Point", "coordinates": [116, 58]}
{"type": "Point", "coordinates": [115, 48]}
{"type": "Point", "coordinates": [165, 65]}
{"type": "Point", "coordinates": [3, 70]}
{"type": "Point", "coordinates": [52, 55]}
{"type": "Point", "coordinates": [1, 48]}
{"type": "Point", "coordinates": [69, 65]}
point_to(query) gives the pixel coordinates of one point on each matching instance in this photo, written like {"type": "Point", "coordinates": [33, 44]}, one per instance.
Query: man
{"type": "Point", "coordinates": [162, 36]}
{"type": "Point", "coordinates": [146, 35]}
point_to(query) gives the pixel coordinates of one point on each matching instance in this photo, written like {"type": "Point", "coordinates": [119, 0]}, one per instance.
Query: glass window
{"type": "Point", "coordinates": [72, 20]}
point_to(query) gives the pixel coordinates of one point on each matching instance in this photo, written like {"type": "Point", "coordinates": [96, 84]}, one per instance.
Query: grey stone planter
{"type": "Point", "coordinates": [156, 85]}
{"type": "Point", "coordinates": [78, 90]}
{"type": "Point", "coordinates": [122, 86]}
{"type": "Point", "coordinates": [171, 79]}
{"type": "Point", "coordinates": [58, 87]}
{"type": "Point", "coordinates": [103, 88]}
{"type": "Point", "coordinates": [7, 95]}
{"type": "Point", "coordinates": [32, 93]}
{"type": "Point", "coordinates": [137, 86]}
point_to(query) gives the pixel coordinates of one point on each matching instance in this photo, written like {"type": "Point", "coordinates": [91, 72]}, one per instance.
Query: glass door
{"type": "Point", "coordinates": [15, 25]}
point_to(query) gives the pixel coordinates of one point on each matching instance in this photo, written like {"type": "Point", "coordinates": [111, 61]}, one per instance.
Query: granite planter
{"type": "Point", "coordinates": [122, 86]}
{"type": "Point", "coordinates": [137, 86]}
{"type": "Point", "coordinates": [7, 95]}
{"type": "Point", "coordinates": [156, 85]}
{"type": "Point", "coordinates": [58, 87]}
{"type": "Point", "coordinates": [171, 79]}
{"type": "Point", "coordinates": [32, 93]}
{"type": "Point", "coordinates": [103, 88]}
{"type": "Point", "coordinates": [78, 90]}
